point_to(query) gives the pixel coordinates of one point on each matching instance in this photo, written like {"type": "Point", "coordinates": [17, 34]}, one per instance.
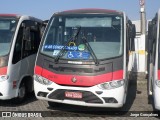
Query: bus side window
{"type": "Point", "coordinates": [31, 45]}
{"type": "Point", "coordinates": [35, 40]}
{"type": "Point", "coordinates": [152, 40]}
{"type": "Point", "coordinates": [131, 33]}
{"type": "Point", "coordinates": [133, 37]}
{"type": "Point", "coordinates": [127, 38]}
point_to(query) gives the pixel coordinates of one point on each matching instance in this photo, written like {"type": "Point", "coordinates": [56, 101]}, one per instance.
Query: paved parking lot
{"type": "Point", "coordinates": [137, 103]}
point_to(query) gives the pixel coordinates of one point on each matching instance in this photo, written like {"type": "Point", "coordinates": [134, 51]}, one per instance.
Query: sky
{"type": "Point", "coordinates": [44, 9]}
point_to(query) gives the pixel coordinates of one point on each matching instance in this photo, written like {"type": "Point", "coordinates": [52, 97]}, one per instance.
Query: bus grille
{"type": "Point", "coordinates": [87, 96]}
{"type": "Point", "coordinates": [77, 70]}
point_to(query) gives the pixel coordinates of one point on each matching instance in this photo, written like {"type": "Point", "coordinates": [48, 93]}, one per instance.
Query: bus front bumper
{"type": "Point", "coordinates": [91, 96]}
{"type": "Point", "coordinates": [6, 90]}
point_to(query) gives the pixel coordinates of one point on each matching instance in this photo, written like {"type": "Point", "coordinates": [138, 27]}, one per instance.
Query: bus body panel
{"type": "Point", "coordinates": [154, 56]}
{"type": "Point", "coordinates": [6, 91]}
{"type": "Point", "coordinates": [86, 75]}
{"type": "Point", "coordinates": [156, 89]}
{"type": "Point", "coordinates": [16, 72]}
{"type": "Point", "coordinates": [156, 97]}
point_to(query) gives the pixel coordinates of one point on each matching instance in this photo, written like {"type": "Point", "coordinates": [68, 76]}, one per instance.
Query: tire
{"type": "Point", "coordinates": [53, 104]}
{"type": "Point", "coordinates": [21, 93]}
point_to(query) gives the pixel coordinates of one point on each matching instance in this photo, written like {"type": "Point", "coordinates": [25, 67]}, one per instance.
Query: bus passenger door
{"type": "Point", "coordinates": [30, 46]}
{"type": "Point", "coordinates": [25, 51]}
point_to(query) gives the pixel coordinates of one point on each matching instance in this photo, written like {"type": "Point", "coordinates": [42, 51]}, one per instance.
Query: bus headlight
{"type": "Point", "coordinates": [111, 85]}
{"type": "Point", "coordinates": [158, 83]}
{"type": "Point", "coordinates": [4, 77]}
{"type": "Point", "coordinates": [42, 80]}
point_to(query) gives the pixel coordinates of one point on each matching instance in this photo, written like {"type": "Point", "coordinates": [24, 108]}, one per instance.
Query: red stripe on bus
{"type": "Point", "coordinates": [3, 71]}
{"type": "Point", "coordinates": [8, 15]}
{"type": "Point", "coordinates": [90, 10]}
{"type": "Point", "coordinates": [117, 75]}
{"type": "Point", "coordinates": [37, 70]}
{"type": "Point", "coordinates": [76, 80]}
{"type": "Point", "coordinates": [158, 74]}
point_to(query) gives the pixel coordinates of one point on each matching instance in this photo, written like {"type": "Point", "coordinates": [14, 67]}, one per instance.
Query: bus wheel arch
{"type": "Point", "coordinates": [24, 87]}
{"type": "Point", "coordinates": [29, 83]}
{"type": "Point", "coordinates": [22, 90]}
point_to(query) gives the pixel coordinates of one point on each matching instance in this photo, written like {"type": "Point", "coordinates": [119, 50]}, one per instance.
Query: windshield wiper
{"type": "Point", "coordinates": [91, 50]}
{"type": "Point", "coordinates": [72, 39]}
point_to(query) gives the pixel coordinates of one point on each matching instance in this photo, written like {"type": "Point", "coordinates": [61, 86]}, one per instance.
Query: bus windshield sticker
{"type": "Point", "coordinates": [81, 47]}
{"type": "Point", "coordinates": [56, 52]}
{"type": "Point", "coordinates": [118, 18]}
{"type": "Point", "coordinates": [13, 21]}
{"type": "Point", "coordinates": [58, 47]}
{"type": "Point", "coordinates": [78, 55]}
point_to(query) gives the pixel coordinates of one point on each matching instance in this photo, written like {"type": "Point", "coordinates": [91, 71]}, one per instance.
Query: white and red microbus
{"type": "Point", "coordinates": [154, 60]}
{"type": "Point", "coordinates": [19, 41]}
{"type": "Point", "coordinates": [83, 58]}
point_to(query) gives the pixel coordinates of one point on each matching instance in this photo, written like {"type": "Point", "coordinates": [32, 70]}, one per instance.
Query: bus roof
{"type": "Point", "coordinates": [20, 16]}
{"type": "Point", "coordinates": [89, 10]}
{"type": "Point", "coordinates": [9, 15]}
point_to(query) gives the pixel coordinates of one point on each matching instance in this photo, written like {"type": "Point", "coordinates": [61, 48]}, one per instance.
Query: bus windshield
{"type": "Point", "coordinates": [102, 32]}
{"type": "Point", "coordinates": [7, 29]}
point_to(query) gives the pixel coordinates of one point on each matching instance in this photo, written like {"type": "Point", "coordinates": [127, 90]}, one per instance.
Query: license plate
{"type": "Point", "coordinates": [77, 95]}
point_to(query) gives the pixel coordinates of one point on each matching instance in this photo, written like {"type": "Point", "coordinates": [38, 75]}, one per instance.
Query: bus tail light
{"type": "Point", "coordinates": [14, 84]}
{"type": "Point", "coordinates": [111, 84]}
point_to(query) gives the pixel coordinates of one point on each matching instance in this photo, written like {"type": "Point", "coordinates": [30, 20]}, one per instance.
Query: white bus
{"type": "Point", "coordinates": [19, 41]}
{"type": "Point", "coordinates": [154, 60]}
{"type": "Point", "coordinates": [83, 58]}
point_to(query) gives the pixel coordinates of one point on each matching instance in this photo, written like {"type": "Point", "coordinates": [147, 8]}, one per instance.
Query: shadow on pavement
{"type": "Point", "coordinates": [30, 97]}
